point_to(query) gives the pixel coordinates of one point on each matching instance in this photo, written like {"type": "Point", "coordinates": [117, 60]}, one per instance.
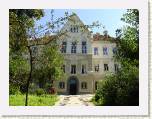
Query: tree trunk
{"type": "Point", "coordinates": [29, 79]}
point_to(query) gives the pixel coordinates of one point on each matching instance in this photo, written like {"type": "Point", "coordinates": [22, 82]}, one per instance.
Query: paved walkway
{"type": "Point", "coordinates": [75, 100]}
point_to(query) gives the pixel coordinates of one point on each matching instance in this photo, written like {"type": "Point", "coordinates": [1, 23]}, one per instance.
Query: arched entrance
{"type": "Point", "coordinates": [72, 88]}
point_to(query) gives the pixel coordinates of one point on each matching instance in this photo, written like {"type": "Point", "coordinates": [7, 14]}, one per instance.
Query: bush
{"type": "Point", "coordinates": [120, 89]}
{"type": "Point", "coordinates": [40, 91]}
{"type": "Point", "coordinates": [14, 90]}
{"type": "Point", "coordinates": [33, 88]}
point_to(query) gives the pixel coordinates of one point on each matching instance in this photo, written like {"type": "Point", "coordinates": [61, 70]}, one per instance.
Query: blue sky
{"type": "Point", "coordinates": [110, 18]}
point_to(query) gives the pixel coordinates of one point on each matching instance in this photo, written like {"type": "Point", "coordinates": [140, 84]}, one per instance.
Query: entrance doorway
{"type": "Point", "coordinates": [72, 85]}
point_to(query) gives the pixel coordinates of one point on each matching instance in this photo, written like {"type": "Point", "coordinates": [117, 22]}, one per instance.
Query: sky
{"type": "Point", "coordinates": [110, 18]}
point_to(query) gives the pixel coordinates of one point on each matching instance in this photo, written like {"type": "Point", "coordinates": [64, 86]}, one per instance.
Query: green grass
{"type": "Point", "coordinates": [33, 100]}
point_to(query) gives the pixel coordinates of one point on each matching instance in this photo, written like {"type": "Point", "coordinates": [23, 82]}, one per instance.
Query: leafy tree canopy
{"type": "Point", "coordinates": [20, 20]}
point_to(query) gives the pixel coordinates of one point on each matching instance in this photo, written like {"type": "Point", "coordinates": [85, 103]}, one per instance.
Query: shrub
{"type": "Point", "coordinates": [14, 90]}
{"type": "Point", "coordinates": [33, 88]}
{"type": "Point", "coordinates": [120, 89]}
{"type": "Point", "coordinates": [40, 91]}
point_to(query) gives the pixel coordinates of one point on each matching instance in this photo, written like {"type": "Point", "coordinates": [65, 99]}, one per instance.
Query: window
{"type": "Point", "coordinates": [71, 29]}
{"type": "Point", "coordinates": [34, 50]}
{"type": "Point", "coordinates": [96, 85]}
{"type": "Point", "coordinates": [96, 68]}
{"type": "Point", "coordinates": [84, 69]}
{"type": "Point", "coordinates": [61, 85]}
{"type": "Point", "coordinates": [106, 68]}
{"type": "Point", "coordinates": [114, 50]}
{"type": "Point", "coordinates": [95, 51]}
{"type": "Point", "coordinates": [73, 47]}
{"type": "Point", "coordinates": [64, 45]}
{"type": "Point", "coordinates": [105, 51]}
{"type": "Point", "coordinates": [83, 85]}
{"type": "Point", "coordinates": [73, 69]}
{"type": "Point", "coordinates": [74, 29]}
{"type": "Point", "coordinates": [116, 67]}
{"type": "Point", "coordinates": [84, 47]}
{"type": "Point", "coordinates": [63, 68]}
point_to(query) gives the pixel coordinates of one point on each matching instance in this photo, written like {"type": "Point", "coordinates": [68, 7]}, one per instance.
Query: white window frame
{"type": "Point", "coordinates": [74, 47]}
{"type": "Point", "coordinates": [97, 51]}
{"type": "Point", "coordinates": [75, 69]}
{"type": "Point", "coordinates": [105, 50]}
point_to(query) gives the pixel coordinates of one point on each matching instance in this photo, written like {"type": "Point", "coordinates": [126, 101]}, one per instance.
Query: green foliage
{"type": "Point", "coordinates": [20, 20]}
{"type": "Point", "coordinates": [122, 88]}
{"type": "Point", "coordinates": [40, 91]}
{"type": "Point", "coordinates": [119, 89]}
{"type": "Point", "coordinates": [53, 61]}
{"type": "Point", "coordinates": [32, 88]}
{"type": "Point", "coordinates": [132, 17]}
{"type": "Point", "coordinates": [44, 100]}
{"type": "Point", "coordinates": [128, 43]}
{"type": "Point", "coordinates": [14, 89]}
{"type": "Point", "coordinates": [18, 72]}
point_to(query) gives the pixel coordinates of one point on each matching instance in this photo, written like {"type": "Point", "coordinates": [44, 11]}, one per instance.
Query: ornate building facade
{"type": "Point", "coordinates": [87, 58]}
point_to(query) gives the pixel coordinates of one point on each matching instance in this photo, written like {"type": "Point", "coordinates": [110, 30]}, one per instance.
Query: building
{"type": "Point", "coordinates": [87, 58]}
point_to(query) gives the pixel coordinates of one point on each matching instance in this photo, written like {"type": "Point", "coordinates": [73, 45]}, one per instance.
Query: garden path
{"type": "Point", "coordinates": [75, 100]}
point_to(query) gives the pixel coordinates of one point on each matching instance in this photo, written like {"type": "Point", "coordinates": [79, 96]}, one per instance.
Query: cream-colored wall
{"type": "Point", "coordinates": [103, 59]}
{"type": "Point", "coordinates": [81, 35]}
{"type": "Point", "coordinates": [89, 59]}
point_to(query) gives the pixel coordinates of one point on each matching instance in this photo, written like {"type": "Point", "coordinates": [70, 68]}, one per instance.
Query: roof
{"type": "Point", "coordinates": [99, 37]}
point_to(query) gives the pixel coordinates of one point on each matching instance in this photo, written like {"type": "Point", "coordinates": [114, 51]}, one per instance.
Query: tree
{"type": "Point", "coordinates": [20, 20]}
{"type": "Point", "coordinates": [23, 21]}
{"type": "Point", "coordinates": [122, 88]}
{"type": "Point", "coordinates": [129, 38]}
{"type": "Point", "coordinates": [49, 64]}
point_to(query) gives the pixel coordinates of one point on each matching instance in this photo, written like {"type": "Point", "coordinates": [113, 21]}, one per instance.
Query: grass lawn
{"type": "Point", "coordinates": [34, 100]}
